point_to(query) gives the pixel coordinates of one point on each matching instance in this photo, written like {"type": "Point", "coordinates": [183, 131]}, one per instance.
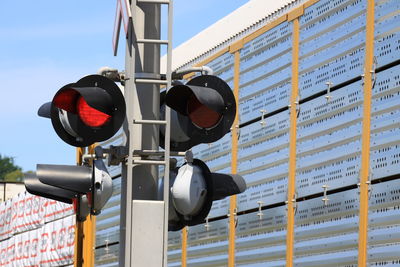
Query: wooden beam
{"type": "Point", "coordinates": [292, 144]}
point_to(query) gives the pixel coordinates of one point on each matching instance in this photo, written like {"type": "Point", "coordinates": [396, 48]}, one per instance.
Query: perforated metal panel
{"type": "Point", "coordinates": [262, 160]}
{"type": "Point", "coordinates": [223, 66]}
{"type": "Point", "coordinates": [212, 150]}
{"type": "Point", "coordinates": [329, 141]}
{"type": "Point", "coordinates": [207, 244]}
{"type": "Point", "coordinates": [387, 37]}
{"type": "Point", "coordinates": [328, 144]}
{"type": "Point", "coordinates": [261, 237]}
{"type": "Point", "coordinates": [384, 229]}
{"type": "Point", "coordinates": [205, 233]}
{"type": "Point", "coordinates": [332, 37]}
{"type": "Point", "coordinates": [107, 256]}
{"type": "Point", "coordinates": [385, 124]}
{"type": "Point", "coordinates": [327, 230]}
{"type": "Point", "coordinates": [265, 73]}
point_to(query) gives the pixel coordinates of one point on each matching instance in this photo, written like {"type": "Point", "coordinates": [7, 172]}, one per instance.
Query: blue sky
{"type": "Point", "coordinates": [46, 44]}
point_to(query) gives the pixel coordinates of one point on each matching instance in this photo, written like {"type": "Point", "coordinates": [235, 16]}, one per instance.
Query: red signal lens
{"type": "Point", "coordinates": [201, 115]}
{"type": "Point", "coordinates": [66, 100]}
{"type": "Point", "coordinates": [91, 116]}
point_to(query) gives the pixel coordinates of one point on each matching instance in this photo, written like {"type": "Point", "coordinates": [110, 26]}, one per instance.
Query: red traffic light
{"type": "Point", "coordinates": [70, 100]}
{"type": "Point", "coordinates": [201, 115]}
{"type": "Point", "coordinates": [203, 111]}
{"type": "Point", "coordinates": [91, 116]}
{"type": "Point", "coordinates": [88, 111]}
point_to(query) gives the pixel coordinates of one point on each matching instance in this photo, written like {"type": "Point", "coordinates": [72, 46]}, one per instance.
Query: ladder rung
{"type": "Point", "coordinates": [151, 81]}
{"type": "Point", "coordinates": [152, 41]}
{"type": "Point", "coordinates": [153, 1]}
{"type": "Point", "coordinates": [157, 153]}
{"type": "Point", "coordinates": [148, 153]}
{"type": "Point", "coordinates": [150, 162]}
{"type": "Point", "coordinates": [160, 122]}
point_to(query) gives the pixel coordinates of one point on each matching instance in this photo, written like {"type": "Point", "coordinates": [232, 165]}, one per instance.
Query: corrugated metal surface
{"type": "Point", "coordinates": [242, 21]}
{"type": "Point", "coordinates": [328, 144]}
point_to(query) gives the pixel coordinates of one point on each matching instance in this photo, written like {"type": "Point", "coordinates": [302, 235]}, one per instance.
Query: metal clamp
{"type": "Point", "coordinates": [297, 106]}
{"type": "Point", "coordinates": [368, 183]}
{"type": "Point", "coordinates": [189, 156]}
{"type": "Point", "coordinates": [116, 155]}
{"type": "Point", "coordinates": [325, 199]}
{"type": "Point", "coordinates": [207, 224]}
{"type": "Point", "coordinates": [107, 248]}
{"type": "Point", "coordinates": [294, 203]}
{"type": "Point", "coordinates": [112, 74]}
{"type": "Point", "coordinates": [237, 130]}
{"type": "Point", "coordinates": [235, 218]}
{"type": "Point", "coordinates": [263, 112]}
{"type": "Point", "coordinates": [260, 214]}
{"type": "Point", "coordinates": [328, 91]}
{"type": "Point", "coordinates": [373, 72]}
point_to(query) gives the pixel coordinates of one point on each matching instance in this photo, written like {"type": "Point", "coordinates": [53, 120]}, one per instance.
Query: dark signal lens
{"type": "Point", "coordinates": [200, 115]}
{"type": "Point", "coordinates": [91, 116]}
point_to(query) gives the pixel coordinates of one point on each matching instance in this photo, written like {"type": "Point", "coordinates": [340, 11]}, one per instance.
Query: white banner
{"type": "Point", "coordinates": [57, 242]}
{"type": "Point", "coordinates": [33, 216]}
{"type": "Point", "coordinates": [7, 228]}
{"type": "Point", "coordinates": [56, 210]}
{"type": "Point", "coordinates": [11, 252]}
{"type": "Point", "coordinates": [3, 253]}
{"type": "Point", "coordinates": [36, 231]}
{"type": "Point", "coordinates": [27, 213]}
{"type": "Point", "coordinates": [33, 250]}
{"type": "Point", "coordinates": [2, 219]}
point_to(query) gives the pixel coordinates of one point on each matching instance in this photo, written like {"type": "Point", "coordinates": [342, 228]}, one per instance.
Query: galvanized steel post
{"type": "Point", "coordinates": [139, 182]}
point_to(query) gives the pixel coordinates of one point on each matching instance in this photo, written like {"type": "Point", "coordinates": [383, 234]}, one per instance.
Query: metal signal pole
{"type": "Point", "coordinates": [144, 218]}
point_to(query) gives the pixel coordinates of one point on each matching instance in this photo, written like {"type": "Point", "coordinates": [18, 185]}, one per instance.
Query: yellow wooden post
{"type": "Point", "coordinates": [89, 241]}
{"type": "Point", "coordinates": [233, 199]}
{"type": "Point", "coordinates": [366, 130]}
{"type": "Point", "coordinates": [292, 143]}
{"type": "Point", "coordinates": [89, 236]}
{"type": "Point", "coordinates": [78, 257]}
{"type": "Point", "coordinates": [84, 231]}
{"type": "Point", "coordinates": [78, 244]}
{"type": "Point", "coordinates": [184, 247]}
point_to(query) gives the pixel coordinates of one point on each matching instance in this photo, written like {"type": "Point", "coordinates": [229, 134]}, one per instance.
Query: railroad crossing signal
{"type": "Point", "coordinates": [93, 109]}
{"type": "Point", "coordinates": [203, 111]}
{"type": "Point", "coordinates": [194, 188]}
{"type": "Point", "coordinates": [67, 183]}
{"type": "Point", "coordinates": [88, 111]}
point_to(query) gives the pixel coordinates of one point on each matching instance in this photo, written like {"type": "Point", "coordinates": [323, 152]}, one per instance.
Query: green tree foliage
{"type": "Point", "coordinates": [14, 176]}
{"type": "Point", "coordinates": [8, 170]}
